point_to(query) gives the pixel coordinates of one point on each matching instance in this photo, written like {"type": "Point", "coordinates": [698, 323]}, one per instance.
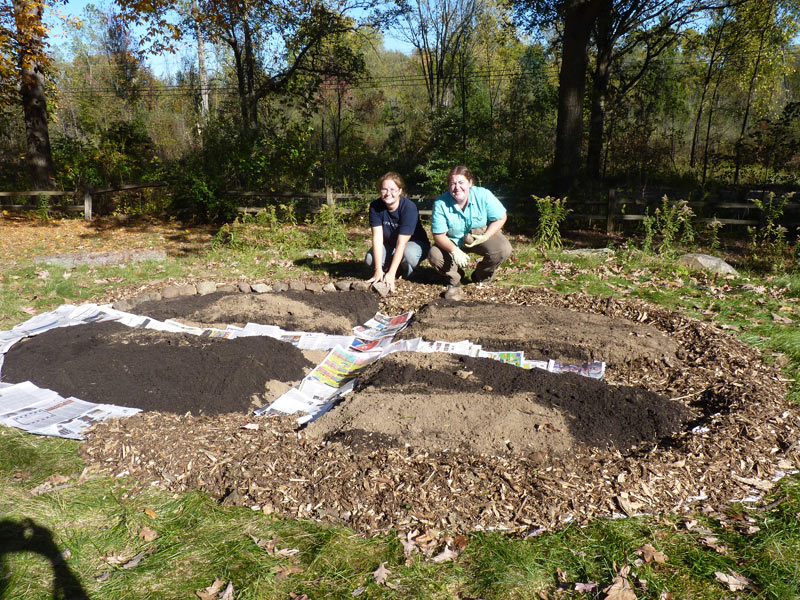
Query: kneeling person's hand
{"type": "Point", "coordinates": [476, 240]}
{"type": "Point", "coordinates": [460, 257]}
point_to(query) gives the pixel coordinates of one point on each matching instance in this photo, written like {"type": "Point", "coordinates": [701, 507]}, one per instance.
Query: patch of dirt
{"type": "Point", "coordinates": [334, 313]}
{"type": "Point", "coordinates": [583, 449]}
{"type": "Point", "coordinates": [110, 363]}
{"type": "Point", "coordinates": [441, 402]}
{"type": "Point", "coordinates": [544, 332]}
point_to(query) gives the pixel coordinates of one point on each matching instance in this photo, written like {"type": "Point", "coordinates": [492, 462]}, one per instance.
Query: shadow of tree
{"type": "Point", "coordinates": [27, 536]}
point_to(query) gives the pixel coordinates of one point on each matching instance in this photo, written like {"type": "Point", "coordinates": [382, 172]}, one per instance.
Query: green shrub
{"type": "Point", "coordinates": [671, 224]}
{"type": "Point", "coordinates": [769, 249]}
{"type": "Point", "coordinates": [552, 213]}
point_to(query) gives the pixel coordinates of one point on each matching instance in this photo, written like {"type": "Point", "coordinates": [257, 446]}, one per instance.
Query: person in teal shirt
{"type": "Point", "coordinates": [467, 218]}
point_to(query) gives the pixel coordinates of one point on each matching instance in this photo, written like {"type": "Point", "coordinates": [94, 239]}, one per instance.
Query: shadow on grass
{"type": "Point", "coordinates": [355, 269]}
{"type": "Point", "coordinates": [27, 536]}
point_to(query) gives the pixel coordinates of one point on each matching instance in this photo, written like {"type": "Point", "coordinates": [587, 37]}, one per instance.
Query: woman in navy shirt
{"type": "Point", "coordinates": [399, 242]}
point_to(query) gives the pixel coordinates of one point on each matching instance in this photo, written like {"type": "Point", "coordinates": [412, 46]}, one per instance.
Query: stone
{"type": "Point", "coordinates": [360, 286]}
{"type": "Point", "coordinates": [706, 262]}
{"type": "Point", "coordinates": [187, 290]}
{"type": "Point", "coordinates": [206, 287]}
{"type": "Point", "coordinates": [343, 285]}
{"type": "Point", "coordinates": [139, 299]}
{"type": "Point", "coordinates": [123, 305]}
{"type": "Point", "coordinates": [313, 286]}
{"type": "Point", "coordinates": [281, 287]}
{"type": "Point", "coordinates": [329, 287]}
{"type": "Point", "coordinates": [170, 291]}
{"type": "Point", "coordinates": [154, 297]}
{"type": "Point", "coordinates": [261, 288]}
{"type": "Point", "coordinates": [102, 258]}
{"type": "Point", "coordinates": [227, 288]}
{"type": "Point", "coordinates": [297, 285]}
{"type": "Point", "coordinates": [381, 288]}
{"type": "Point", "coordinates": [245, 288]}
{"type": "Point", "coordinates": [598, 252]}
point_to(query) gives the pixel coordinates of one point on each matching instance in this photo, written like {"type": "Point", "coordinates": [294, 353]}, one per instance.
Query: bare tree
{"type": "Point", "coordinates": [440, 32]}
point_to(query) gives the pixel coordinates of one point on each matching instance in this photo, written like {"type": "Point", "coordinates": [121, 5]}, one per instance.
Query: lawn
{"type": "Point", "coordinates": [66, 532]}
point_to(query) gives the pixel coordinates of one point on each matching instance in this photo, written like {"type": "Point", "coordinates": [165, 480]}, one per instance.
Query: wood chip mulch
{"type": "Point", "coordinates": [747, 437]}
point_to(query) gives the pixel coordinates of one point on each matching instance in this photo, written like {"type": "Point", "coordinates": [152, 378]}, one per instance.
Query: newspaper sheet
{"type": "Point", "coordinates": [45, 412]}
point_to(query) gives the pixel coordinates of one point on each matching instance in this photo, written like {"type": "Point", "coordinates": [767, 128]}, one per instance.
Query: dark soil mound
{"type": "Point", "coordinates": [111, 363]}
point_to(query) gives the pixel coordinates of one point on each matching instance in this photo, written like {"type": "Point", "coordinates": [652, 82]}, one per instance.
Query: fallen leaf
{"type": "Point", "coordinates": [134, 562]}
{"type": "Point", "coordinates": [115, 558]}
{"type": "Point", "coordinates": [210, 593]}
{"type": "Point", "coordinates": [381, 574]}
{"type": "Point", "coordinates": [284, 571]}
{"type": "Point", "coordinates": [588, 587]}
{"type": "Point", "coordinates": [228, 593]}
{"type": "Point", "coordinates": [620, 588]}
{"type": "Point", "coordinates": [460, 542]}
{"type": "Point", "coordinates": [780, 318]}
{"type": "Point", "coordinates": [733, 580]}
{"type": "Point", "coordinates": [22, 475]}
{"type": "Point", "coordinates": [445, 555]}
{"type": "Point", "coordinates": [28, 310]}
{"type": "Point", "coordinates": [147, 534]}
{"type": "Point", "coordinates": [650, 554]}
{"type": "Point", "coordinates": [712, 542]}
{"type": "Point", "coordinates": [409, 547]}
{"type": "Point", "coordinates": [150, 513]}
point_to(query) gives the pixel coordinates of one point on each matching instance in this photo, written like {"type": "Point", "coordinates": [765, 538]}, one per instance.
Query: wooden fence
{"type": "Point", "coordinates": [85, 201]}
{"type": "Point", "coordinates": [618, 209]}
{"type": "Point", "coordinates": [613, 210]}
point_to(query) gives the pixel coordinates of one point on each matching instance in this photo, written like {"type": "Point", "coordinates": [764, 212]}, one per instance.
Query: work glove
{"type": "Point", "coordinates": [476, 240]}
{"type": "Point", "coordinates": [460, 257]}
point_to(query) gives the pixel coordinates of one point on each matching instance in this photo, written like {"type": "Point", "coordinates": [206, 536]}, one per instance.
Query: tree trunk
{"type": "Point", "coordinates": [28, 17]}
{"type": "Point", "coordinates": [605, 45]}
{"type": "Point", "coordinates": [201, 64]}
{"type": "Point", "coordinates": [739, 142]}
{"type": "Point", "coordinates": [714, 101]}
{"type": "Point", "coordinates": [579, 17]}
{"type": "Point", "coordinates": [706, 84]}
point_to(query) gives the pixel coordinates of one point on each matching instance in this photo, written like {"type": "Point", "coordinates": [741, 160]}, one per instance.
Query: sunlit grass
{"type": "Point", "coordinates": [198, 540]}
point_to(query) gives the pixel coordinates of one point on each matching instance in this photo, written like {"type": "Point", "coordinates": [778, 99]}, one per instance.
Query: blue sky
{"type": "Point", "coordinates": [162, 65]}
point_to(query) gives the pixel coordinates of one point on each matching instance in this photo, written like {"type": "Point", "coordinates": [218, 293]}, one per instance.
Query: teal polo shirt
{"type": "Point", "coordinates": [482, 208]}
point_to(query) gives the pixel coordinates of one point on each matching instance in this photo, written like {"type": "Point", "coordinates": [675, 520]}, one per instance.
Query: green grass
{"type": "Point", "coordinates": [97, 518]}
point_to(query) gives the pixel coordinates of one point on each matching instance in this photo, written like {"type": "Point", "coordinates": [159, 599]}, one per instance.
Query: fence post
{"type": "Point", "coordinates": [611, 210]}
{"type": "Point", "coordinates": [87, 203]}
{"type": "Point", "coordinates": [329, 195]}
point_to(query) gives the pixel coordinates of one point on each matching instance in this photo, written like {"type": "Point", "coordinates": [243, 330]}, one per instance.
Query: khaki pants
{"type": "Point", "coordinates": [494, 251]}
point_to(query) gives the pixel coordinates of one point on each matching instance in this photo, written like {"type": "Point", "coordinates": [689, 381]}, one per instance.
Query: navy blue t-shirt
{"type": "Point", "coordinates": [403, 221]}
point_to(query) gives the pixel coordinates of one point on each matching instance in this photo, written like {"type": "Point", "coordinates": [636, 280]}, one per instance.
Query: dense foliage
{"type": "Point", "coordinates": [710, 98]}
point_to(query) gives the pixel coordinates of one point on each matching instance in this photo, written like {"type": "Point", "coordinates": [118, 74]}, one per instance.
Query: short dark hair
{"type": "Point", "coordinates": [460, 170]}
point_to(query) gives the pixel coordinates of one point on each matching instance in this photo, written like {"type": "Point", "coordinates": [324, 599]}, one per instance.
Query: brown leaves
{"type": "Point", "coordinates": [212, 592]}
{"type": "Point", "coordinates": [620, 588]}
{"type": "Point", "coordinates": [650, 554]}
{"type": "Point", "coordinates": [271, 547]}
{"type": "Point", "coordinates": [147, 534]}
{"type": "Point", "coordinates": [54, 482]}
{"type": "Point", "coordinates": [733, 580]}
{"type": "Point", "coordinates": [381, 574]}
{"type": "Point", "coordinates": [284, 571]}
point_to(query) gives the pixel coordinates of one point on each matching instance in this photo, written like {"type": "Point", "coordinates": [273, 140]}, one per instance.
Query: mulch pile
{"type": "Point", "coordinates": [744, 433]}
